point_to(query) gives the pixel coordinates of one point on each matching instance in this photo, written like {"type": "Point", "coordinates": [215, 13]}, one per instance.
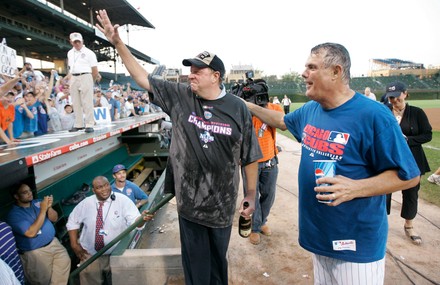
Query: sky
{"type": "Point", "coordinates": [276, 36]}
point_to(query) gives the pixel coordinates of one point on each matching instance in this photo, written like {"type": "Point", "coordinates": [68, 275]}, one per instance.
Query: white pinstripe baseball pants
{"type": "Point", "coordinates": [331, 271]}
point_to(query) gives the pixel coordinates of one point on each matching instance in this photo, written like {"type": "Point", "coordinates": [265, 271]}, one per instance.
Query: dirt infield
{"type": "Point", "coordinates": [434, 118]}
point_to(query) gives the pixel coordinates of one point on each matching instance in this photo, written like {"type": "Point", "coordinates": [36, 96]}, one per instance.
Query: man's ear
{"type": "Point", "coordinates": [337, 71]}
{"type": "Point", "coordinates": [217, 74]}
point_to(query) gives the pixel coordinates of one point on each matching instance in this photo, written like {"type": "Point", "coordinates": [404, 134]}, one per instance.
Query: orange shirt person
{"type": "Point", "coordinates": [7, 116]}
{"type": "Point", "coordinates": [267, 165]}
{"type": "Point", "coordinates": [268, 139]}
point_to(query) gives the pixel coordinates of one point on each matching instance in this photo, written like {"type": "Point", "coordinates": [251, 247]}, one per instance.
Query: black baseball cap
{"type": "Point", "coordinates": [395, 89]}
{"type": "Point", "coordinates": [206, 59]}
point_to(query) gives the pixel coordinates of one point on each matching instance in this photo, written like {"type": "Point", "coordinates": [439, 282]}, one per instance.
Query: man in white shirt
{"type": "Point", "coordinates": [7, 276]}
{"type": "Point", "coordinates": [117, 213]}
{"type": "Point", "coordinates": [129, 107]}
{"type": "Point", "coordinates": [370, 94]}
{"type": "Point", "coordinates": [83, 72]}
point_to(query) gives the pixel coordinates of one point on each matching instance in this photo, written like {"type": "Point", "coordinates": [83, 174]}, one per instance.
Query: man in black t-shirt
{"type": "Point", "coordinates": [212, 138]}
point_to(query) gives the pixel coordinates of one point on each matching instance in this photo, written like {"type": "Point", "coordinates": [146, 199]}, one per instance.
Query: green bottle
{"type": "Point", "coordinates": [244, 225]}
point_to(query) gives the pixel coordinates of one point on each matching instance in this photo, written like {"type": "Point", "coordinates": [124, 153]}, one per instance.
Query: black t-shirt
{"type": "Point", "coordinates": [211, 139]}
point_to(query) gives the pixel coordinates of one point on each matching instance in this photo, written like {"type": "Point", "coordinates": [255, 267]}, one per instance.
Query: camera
{"type": "Point", "coordinates": [254, 91]}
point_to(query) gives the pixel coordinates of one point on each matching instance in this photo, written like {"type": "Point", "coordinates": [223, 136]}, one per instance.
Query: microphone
{"type": "Point", "coordinates": [113, 196]}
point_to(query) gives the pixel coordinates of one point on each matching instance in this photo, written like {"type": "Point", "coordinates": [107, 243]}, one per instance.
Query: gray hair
{"type": "Point", "coordinates": [335, 54]}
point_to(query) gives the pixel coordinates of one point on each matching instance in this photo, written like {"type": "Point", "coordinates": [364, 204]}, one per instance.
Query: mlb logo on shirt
{"type": "Point", "coordinates": [338, 137]}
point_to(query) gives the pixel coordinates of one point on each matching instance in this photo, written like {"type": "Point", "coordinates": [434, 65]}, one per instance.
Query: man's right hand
{"type": "Point", "coordinates": [80, 252]}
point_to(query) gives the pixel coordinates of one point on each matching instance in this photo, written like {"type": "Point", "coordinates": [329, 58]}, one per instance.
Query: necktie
{"type": "Point", "coordinates": [99, 238]}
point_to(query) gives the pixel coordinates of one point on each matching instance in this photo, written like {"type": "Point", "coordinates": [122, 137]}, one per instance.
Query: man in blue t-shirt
{"type": "Point", "coordinates": [346, 229]}
{"type": "Point", "coordinates": [45, 260]}
{"type": "Point", "coordinates": [22, 114]}
{"type": "Point", "coordinates": [113, 107]}
{"type": "Point", "coordinates": [30, 123]}
{"type": "Point", "coordinates": [121, 184]}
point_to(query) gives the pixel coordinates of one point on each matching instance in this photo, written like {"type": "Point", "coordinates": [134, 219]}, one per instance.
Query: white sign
{"type": "Point", "coordinates": [64, 163]}
{"type": "Point", "coordinates": [8, 59]}
{"type": "Point", "coordinates": [102, 115]}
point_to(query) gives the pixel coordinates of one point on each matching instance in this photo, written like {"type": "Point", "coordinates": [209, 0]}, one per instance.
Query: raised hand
{"type": "Point", "coordinates": [107, 28]}
{"type": "Point", "coordinates": [20, 101]}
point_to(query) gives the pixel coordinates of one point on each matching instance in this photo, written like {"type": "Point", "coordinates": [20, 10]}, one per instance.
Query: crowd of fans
{"type": "Point", "coordinates": [34, 104]}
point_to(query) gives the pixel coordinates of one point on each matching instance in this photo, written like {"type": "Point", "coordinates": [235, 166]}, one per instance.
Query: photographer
{"type": "Point", "coordinates": [256, 91]}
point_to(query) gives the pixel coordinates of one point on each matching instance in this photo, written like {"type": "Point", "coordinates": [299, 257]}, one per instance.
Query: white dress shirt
{"type": "Point", "coordinates": [117, 214]}
{"type": "Point", "coordinates": [81, 61]}
{"type": "Point", "coordinates": [7, 276]}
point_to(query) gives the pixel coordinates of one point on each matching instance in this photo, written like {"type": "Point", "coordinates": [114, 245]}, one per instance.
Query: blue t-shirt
{"type": "Point", "coordinates": [132, 191]}
{"type": "Point", "coordinates": [31, 125]}
{"type": "Point", "coordinates": [42, 120]}
{"type": "Point", "coordinates": [114, 108]}
{"type": "Point", "coordinates": [365, 140]}
{"type": "Point", "coordinates": [118, 106]}
{"type": "Point", "coordinates": [18, 123]}
{"type": "Point", "coordinates": [21, 218]}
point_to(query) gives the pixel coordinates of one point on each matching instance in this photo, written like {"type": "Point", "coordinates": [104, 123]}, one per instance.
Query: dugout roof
{"type": "Point", "coordinates": [49, 23]}
{"type": "Point", "coordinates": [120, 11]}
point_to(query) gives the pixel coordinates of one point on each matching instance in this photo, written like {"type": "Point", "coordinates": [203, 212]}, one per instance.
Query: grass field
{"type": "Point", "coordinates": [429, 192]}
{"type": "Point", "coordinates": [425, 103]}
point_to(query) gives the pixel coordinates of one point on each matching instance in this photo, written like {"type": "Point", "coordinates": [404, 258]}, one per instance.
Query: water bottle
{"type": "Point", "coordinates": [244, 225]}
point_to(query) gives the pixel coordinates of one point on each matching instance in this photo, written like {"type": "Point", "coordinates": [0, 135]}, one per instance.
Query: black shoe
{"type": "Point", "coordinates": [89, 130]}
{"type": "Point", "coordinates": [85, 188]}
{"type": "Point", "coordinates": [75, 199]}
{"type": "Point", "coordinates": [75, 129]}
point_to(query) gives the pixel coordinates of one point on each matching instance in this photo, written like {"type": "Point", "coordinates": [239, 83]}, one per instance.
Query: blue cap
{"type": "Point", "coordinates": [118, 167]}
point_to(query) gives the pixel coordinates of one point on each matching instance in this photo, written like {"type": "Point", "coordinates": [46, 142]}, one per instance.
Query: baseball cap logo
{"type": "Point", "coordinates": [392, 88]}
{"type": "Point", "coordinates": [205, 57]}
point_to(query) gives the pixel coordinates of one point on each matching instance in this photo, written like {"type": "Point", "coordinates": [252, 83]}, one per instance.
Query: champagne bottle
{"type": "Point", "coordinates": [244, 225]}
